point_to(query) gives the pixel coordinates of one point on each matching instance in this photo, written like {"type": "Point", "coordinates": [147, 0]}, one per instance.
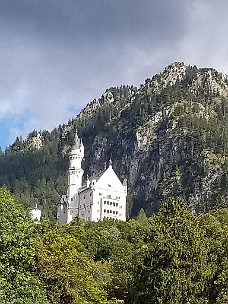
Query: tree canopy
{"type": "Point", "coordinates": [18, 284]}
{"type": "Point", "coordinates": [173, 257]}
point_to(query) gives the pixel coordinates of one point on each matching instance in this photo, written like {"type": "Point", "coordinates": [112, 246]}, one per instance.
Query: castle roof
{"type": "Point", "coordinates": [107, 177]}
{"type": "Point", "coordinates": [77, 142]}
{"type": "Point", "coordinates": [98, 175]}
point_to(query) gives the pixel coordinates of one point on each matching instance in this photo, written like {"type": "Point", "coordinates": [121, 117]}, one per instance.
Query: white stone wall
{"type": "Point", "coordinates": [105, 198]}
{"type": "Point", "coordinates": [36, 214]}
{"type": "Point", "coordinates": [99, 199]}
{"type": "Point", "coordinates": [113, 205]}
{"type": "Point", "coordinates": [109, 197]}
{"type": "Point", "coordinates": [75, 158]}
{"type": "Point", "coordinates": [74, 178]}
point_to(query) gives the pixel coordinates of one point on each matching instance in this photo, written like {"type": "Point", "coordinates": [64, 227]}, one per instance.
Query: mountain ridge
{"type": "Point", "coordinates": [167, 137]}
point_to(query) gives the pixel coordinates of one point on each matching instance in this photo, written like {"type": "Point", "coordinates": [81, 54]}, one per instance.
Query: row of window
{"type": "Point", "coordinates": [110, 217]}
{"type": "Point", "coordinates": [73, 172]}
{"type": "Point", "coordinates": [84, 206]}
{"type": "Point", "coordinates": [109, 196]}
{"type": "Point", "coordinates": [110, 203]}
{"type": "Point", "coordinates": [111, 211]}
{"type": "Point", "coordinates": [75, 157]}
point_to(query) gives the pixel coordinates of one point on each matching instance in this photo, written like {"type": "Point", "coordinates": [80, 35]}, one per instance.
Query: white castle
{"type": "Point", "coordinates": [100, 197]}
{"type": "Point", "coordinates": [36, 214]}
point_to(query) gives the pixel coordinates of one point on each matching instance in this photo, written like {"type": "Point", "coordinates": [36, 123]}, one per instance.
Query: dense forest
{"type": "Point", "coordinates": [172, 257]}
{"type": "Point", "coordinates": [168, 137]}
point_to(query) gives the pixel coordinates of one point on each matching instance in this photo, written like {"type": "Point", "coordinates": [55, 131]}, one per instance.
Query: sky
{"type": "Point", "coordinates": [58, 55]}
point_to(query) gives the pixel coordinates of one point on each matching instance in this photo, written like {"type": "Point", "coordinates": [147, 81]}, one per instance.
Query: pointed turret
{"type": "Point", "coordinates": [77, 142]}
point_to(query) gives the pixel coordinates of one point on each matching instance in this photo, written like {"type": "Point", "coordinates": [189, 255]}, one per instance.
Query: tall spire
{"type": "Point", "coordinates": [77, 142]}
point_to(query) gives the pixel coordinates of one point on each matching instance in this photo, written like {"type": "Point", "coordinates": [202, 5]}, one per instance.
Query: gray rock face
{"type": "Point", "coordinates": [158, 136]}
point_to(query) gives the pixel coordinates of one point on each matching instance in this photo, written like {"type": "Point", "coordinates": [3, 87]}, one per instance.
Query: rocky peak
{"type": "Point", "coordinates": [35, 142]}
{"type": "Point", "coordinates": [198, 80]}
{"type": "Point", "coordinates": [108, 96]}
{"type": "Point", "coordinates": [170, 75]}
{"type": "Point", "coordinates": [173, 72]}
{"type": "Point", "coordinates": [211, 82]}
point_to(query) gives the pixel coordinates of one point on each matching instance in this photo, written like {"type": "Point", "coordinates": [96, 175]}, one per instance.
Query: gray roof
{"type": "Point", "coordinates": [77, 141]}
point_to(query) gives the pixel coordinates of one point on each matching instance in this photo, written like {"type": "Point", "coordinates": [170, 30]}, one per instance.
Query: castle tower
{"type": "Point", "coordinates": [74, 176]}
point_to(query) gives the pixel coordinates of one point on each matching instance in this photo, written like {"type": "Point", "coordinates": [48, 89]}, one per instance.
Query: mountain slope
{"type": "Point", "coordinates": [168, 138]}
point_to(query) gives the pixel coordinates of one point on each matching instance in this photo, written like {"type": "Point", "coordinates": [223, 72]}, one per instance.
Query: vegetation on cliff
{"type": "Point", "coordinates": [168, 137]}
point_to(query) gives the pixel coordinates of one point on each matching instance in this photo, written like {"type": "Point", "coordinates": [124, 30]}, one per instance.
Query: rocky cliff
{"type": "Point", "coordinates": [168, 137]}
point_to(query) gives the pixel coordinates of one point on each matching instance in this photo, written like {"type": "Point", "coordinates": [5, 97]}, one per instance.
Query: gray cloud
{"type": "Point", "coordinates": [57, 55]}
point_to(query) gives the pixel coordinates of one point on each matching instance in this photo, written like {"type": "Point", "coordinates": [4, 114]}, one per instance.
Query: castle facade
{"type": "Point", "coordinates": [99, 197]}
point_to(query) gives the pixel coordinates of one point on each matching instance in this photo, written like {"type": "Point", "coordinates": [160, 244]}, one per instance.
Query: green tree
{"type": "Point", "coordinates": [18, 285]}
{"type": "Point", "coordinates": [174, 266]}
{"type": "Point", "coordinates": [142, 218]}
{"type": "Point", "coordinates": [64, 267]}
{"type": "Point", "coordinates": [219, 287]}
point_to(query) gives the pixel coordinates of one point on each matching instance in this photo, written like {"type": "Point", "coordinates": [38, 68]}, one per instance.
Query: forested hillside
{"type": "Point", "coordinates": [168, 137]}
{"type": "Point", "coordinates": [172, 257]}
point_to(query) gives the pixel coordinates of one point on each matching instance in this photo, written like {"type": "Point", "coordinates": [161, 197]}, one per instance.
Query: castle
{"type": "Point", "coordinates": [36, 214]}
{"type": "Point", "coordinates": [102, 196]}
